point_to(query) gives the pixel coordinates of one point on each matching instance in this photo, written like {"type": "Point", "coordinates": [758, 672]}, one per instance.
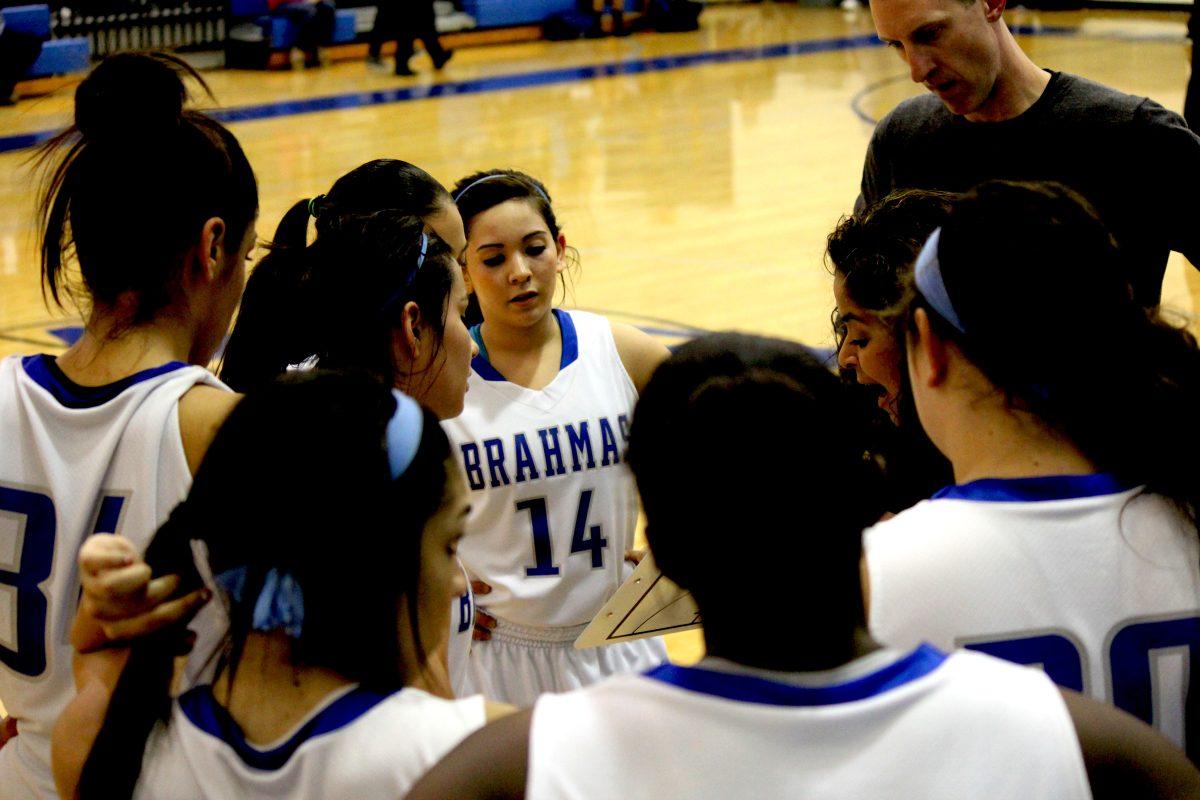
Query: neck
{"type": "Point", "coordinates": [1020, 84]}
{"type": "Point", "coordinates": [99, 357]}
{"type": "Point", "coordinates": [994, 441]}
{"type": "Point", "coordinates": [821, 650]}
{"type": "Point", "coordinates": [504, 338]}
{"type": "Point", "coordinates": [269, 694]}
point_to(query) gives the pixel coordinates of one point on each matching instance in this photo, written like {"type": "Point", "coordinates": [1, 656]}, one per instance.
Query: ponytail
{"type": "Point", "coordinates": [142, 697]}
{"type": "Point", "coordinates": [274, 325]}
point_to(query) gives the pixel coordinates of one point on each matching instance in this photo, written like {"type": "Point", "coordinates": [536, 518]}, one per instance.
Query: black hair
{"type": "Point", "coordinates": [738, 434]}
{"type": "Point", "coordinates": [1019, 258]}
{"type": "Point", "coordinates": [303, 465]}
{"type": "Point", "coordinates": [873, 251]}
{"type": "Point", "coordinates": [480, 191]}
{"type": "Point", "coordinates": [340, 298]}
{"type": "Point", "coordinates": [129, 185]}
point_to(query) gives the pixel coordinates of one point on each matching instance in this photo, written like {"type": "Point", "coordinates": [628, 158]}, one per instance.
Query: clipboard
{"type": "Point", "coordinates": [646, 604]}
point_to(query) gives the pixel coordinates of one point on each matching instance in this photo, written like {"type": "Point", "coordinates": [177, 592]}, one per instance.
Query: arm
{"type": "Point", "coordinates": [1174, 153]}
{"type": "Point", "coordinates": [1126, 757]}
{"type": "Point", "coordinates": [96, 676]}
{"type": "Point", "coordinates": [490, 764]}
{"type": "Point", "coordinates": [202, 411]}
{"type": "Point", "coordinates": [640, 353]}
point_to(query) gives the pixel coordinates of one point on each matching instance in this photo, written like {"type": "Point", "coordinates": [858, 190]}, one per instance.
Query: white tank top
{"type": "Point", "coordinates": [553, 506]}
{"type": "Point", "coordinates": [75, 460]}
{"type": "Point", "coordinates": [919, 725]}
{"type": "Point", "coordinates": [356, 743]}
{"type": "Point", "coordinates": [1097, 583]}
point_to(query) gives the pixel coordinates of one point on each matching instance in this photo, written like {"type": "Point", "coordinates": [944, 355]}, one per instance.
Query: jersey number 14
{"type": "Point", "coordinates": [586, 539]}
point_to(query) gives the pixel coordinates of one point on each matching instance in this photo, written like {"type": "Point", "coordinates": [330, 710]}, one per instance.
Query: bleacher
{"type": "Point", "coordinates": [59, 56]}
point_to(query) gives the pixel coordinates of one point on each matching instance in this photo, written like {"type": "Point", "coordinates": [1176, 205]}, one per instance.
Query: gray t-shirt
{"type": "Point", "coordinates": [1135, 161]}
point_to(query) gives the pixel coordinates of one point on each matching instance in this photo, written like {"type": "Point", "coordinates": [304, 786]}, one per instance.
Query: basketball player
{"type": "Point", "coordinates": [871, 255]}
{"type": "Point", "coordinates": [314, 694]}
{"type": "Point", "coordinates": [157, 205]}
{"type": "Point", "coordinates": [1069, 416]}
{"type": "Point", "coordinates": [831, 715]}
{"type": "Point", "coordinates": [362, 302]}
{"type": "Point", "coordinates": [542, 441]}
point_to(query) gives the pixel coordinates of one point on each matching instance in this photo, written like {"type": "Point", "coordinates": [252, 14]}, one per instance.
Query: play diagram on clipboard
{"type": "Point", "coordinates": [647, 604]}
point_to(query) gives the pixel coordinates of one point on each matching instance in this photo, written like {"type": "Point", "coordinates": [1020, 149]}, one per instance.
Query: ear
{"type": "Point", "coordinates": [927, 363]}
{"type": "Point", "coordinates": [993, 10]}
{"type": "Point", "coordinates": [562, 253]}
{"type": "Point", "coordinates": [212, 248]}
{"type": "Point", "coordinates": [407, 337]}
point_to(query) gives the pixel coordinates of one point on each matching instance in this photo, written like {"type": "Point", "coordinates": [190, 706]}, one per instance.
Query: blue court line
{"type": "Point", "coordinates": [527, 80]}
{"type": "Point", "coordinates": [499, 83]}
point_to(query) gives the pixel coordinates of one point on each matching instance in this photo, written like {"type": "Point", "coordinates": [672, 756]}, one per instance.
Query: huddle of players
{"type": "Point", "coordinates": [329, 678]}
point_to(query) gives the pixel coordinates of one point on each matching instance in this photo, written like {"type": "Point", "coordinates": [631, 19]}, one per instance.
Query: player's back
{"type": "Point", "coordinates": [355, 743]}
{"type": "Point", "coordinates": [1097, 583]}
{"type": "Point", "coordinates": [915, 725]}
{"type": "Point", "coordinates": [75, 460]}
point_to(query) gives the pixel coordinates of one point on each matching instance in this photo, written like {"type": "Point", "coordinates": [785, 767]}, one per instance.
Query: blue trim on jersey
{"type": "Point", "coordinates": [748, 689]}
{"type": "Point", "coordinates": [203, 711]}
{"type": "Point", "coordinates": [1033, 490]}
{"type": "Point", "coordinates": [48, 375]}
{"type": "Point", "coordinates": [570, 348]}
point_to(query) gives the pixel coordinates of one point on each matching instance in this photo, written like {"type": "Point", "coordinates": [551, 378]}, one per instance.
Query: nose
{"type": "Point", "coordinates": [474, 346]}
{"type": "Point", "coordinates": [519, 272]}
{"type": "Point", "coordinates": [458, 586]}
{"type": "Point", "coordinates": [920, 65]}
{"type": "Point", "coordinates": [847, 356]}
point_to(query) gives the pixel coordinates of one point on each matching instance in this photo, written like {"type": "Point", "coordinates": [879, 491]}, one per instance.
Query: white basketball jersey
{"type": "Point", "coordinates": [921, 725]}
{"type": "Point", "coordinates": [1097, 584]}
{"type": "Point", "coordinates": [75, 461]}
{"type": "Point", "coordinates": [356, 743]}
{"type": "Point", "coordinates": [553, 506]}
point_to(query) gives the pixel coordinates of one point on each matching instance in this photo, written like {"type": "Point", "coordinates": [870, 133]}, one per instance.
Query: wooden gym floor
{"type": "Point", "coordinates": [698, 174]}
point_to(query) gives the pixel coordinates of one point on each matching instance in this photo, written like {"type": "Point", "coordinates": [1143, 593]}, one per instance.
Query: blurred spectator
{"type": "Point", "coordinates": [406, 21]}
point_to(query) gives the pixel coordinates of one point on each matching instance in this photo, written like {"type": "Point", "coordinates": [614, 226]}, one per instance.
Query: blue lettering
{"type": "Point", "coordinates": [609, 439]}
{"type": "Point", "coordinates": [465, 614]}
{"type": "Point", "coordinates": [470, 453]}
{"type": "Point", "coordinates": [580, 441]}
{"type": "Point", "coordinates": [524, 459]}
{"type": "Point", "coordinates": [553, 453]}
{"type": "Point", "coordinates": [494, 448]}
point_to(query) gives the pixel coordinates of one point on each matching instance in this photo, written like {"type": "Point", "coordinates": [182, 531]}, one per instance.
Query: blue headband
{"type": "Point", "coordinates": [928, 276]}
{"type": "Point", "coordinates": [487, 178]}
{"type": "Point", "coordinates": [280, 603]}
{"type": "Point", "coordinates": [404, 433]}
{"type": "Point", "coordinates": [412, 276]}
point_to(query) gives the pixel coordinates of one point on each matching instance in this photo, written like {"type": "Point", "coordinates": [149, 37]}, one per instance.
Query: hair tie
{"type": "Point", "coordinates": [487, 178]}
{"type": "Point", "coordinates": [312, 205]}
{"type": "Point", "coordinates": [927, 274]}
{"type": "Point", "coordinates": [404, 431]}
{"type": "Point", "coordinates": [280, 604]}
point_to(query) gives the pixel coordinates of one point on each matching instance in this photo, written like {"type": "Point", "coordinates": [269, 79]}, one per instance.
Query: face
{"type": "Point", "coordinates": [442, 579]}
{"type": "Point", "coordinates": [950, 47]}
{"type": "Point", "coordinates": [513, 262]}
{"type": "Point", "coordinates": [439, 378]}
{"type": "Point", "coordinates": [869, 349]}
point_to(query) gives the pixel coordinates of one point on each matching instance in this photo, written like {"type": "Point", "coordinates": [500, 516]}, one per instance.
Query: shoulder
{"type": "Point", "coordinates": [202, 411]}
{"type": "Point", "coordinates": [911, 117]}
{"type": "Point", "coordinates": [1083, 98]}
{"type": "Point", "coordinates": [640, 353]}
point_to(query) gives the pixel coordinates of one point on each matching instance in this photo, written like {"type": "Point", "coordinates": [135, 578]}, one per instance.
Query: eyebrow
{"type": "Point", "coordinates": [842, 319]}
{"type": "Point", "coordinates": [526, 237]}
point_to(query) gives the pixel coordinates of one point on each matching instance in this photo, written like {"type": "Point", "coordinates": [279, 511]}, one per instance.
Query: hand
{"type": "Point", "coordinates": [8, 729]}
{"type": "Point", "coordinates": [635, 556]}
{"type": "Point", "coordinates": [484, 622]}
{"type": "Point", "coordinates": [121, 600]}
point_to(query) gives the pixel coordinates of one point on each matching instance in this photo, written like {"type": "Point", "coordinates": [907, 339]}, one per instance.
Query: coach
{"type": "Point", "coordinates": [993, 113]}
